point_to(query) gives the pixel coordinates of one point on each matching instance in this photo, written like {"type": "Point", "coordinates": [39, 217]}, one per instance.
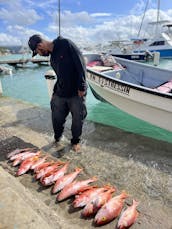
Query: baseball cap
{"type": "Point", "coordinates": [33, 42]}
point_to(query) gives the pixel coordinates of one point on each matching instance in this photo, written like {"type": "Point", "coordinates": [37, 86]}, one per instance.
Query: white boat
{"type": "Point", "coordinates": [143, 48]}
{"type": "Point", "coordinates": [140, 90]}
{"type": "Point", "coordinates": [161, 42]}
{"type": "Point", "coordinates": [5, 71]}
{"type": "Point", "coordinates": [125, 50]}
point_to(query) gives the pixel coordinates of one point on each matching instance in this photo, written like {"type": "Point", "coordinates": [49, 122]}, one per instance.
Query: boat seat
{"type": "Point", "coordinates": [130, 77]}
{"type": "Point", "coordinates": [165, 88]}
{"type": "Point", "coordinates": [95, 63]}
{"type": "Point", "coordinates": [151, 82]}
{"type": "Point", "coordinates": [98, 66]}
{"type": "Point", "coordinates": [101, 68]}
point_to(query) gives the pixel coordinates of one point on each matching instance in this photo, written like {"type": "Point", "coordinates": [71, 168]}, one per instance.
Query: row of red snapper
{"type": "Point", "coordinates": [95, 201]}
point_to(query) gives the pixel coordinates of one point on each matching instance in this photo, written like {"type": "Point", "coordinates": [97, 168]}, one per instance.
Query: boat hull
{"type": "Point", "coordinates": [143, 104]}
{"type": "Point", "coordinates": [136, 57]}
{"type": "Point", "coordinates": [164, 53]}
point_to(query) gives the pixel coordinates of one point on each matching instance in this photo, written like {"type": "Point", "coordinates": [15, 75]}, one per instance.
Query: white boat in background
{"type": "Point", "coordinates": [125, 50]}
{"type": "Point", "coordinates": [161, 42]}
{"type": "Point", "coordinates": [5, 71]}
{"type": "Point", "coordinates": [159, 39]}
{"type": "Point", "coordinates": [141, 90]}
{"type": "Point", "coordinates": [145, 48]}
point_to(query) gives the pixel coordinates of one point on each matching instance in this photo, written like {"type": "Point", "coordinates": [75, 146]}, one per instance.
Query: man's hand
{"type": "Point", "coordinates": [81, 93]}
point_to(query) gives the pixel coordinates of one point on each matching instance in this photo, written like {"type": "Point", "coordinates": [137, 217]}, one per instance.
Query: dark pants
{"type": "Point", "coordinates": [61, 107]}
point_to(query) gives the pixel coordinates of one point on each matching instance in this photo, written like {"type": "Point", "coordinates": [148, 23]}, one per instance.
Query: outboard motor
{"type": "Point", "coordinates": [148, 55]}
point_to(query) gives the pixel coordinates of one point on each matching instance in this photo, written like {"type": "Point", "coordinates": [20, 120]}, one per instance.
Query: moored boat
{"type": "Point", "coordinates": [5, 71]}
{"type": "Point", "coordinates": [143, 49]}
{"type": "Point", "coordinates": [140, 90]}
{"type": "Point", "coordinates": [161, 42]}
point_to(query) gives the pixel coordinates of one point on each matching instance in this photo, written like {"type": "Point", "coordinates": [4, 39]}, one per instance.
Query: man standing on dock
{"type": "Point", "coordinates": [70, 88]}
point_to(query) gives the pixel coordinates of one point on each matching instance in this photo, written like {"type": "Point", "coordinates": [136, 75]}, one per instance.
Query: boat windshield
{"type": "Point", "coordinates": [157, 43]}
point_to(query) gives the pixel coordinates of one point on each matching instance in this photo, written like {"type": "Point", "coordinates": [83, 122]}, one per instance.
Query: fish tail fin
{"type": "Point", "coordinates": [124, 194]}
{"type": "Point", "coordinates": [110, 187]}
{"type": "Point", "coordinates": [46, 156]}
{"type": "Point", "coordinates": [39, 151]}
{"type": "Point", "coordinates": [94, 178]}
{"type": "Point", "coordinates": [135, 202]}
{"type": "Point", "coordinates": [77, 169]}
{"type": "Point", "coordinates": [61, 162]}
{"type": "Point", "coordinates": [113, 189]}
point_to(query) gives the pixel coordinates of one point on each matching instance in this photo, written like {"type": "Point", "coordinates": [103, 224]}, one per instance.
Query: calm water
{"type": "Point", "coordinates": [29, 84]}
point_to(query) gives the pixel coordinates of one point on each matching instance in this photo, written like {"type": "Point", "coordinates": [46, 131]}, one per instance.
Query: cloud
{"type": "Point", "coordinates": [13, 12]}
{"type": "Point", "coordinates": [139, 8]}
{"type": "Point", "coordinates": [8, 40]}
{"type": "Point", "coordinates": [84, 28]}
{"type": "Point", "coordinates": [18, 35]}
{"type": "Point", "coordinates": [23, 18]}
{"type": "Point", "coordinates": [19, 17]}
{"type": "Point", "coordinates": [73, 19]}
{"type": "Point", "coordinates": [100, 15]}
{"type": "Point", "coordinates": [50, 4]}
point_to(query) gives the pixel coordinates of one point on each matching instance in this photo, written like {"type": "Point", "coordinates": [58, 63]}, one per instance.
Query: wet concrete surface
{"type": "Point", "coordinates": [142, 166]}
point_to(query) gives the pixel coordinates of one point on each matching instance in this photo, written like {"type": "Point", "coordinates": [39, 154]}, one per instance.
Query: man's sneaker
{"type": "Point", "coordinates": [62, 139]}
{"type": "Point", "coordinates": [58, 145]}
{"type": "Point", "coordinates": [76, 147]}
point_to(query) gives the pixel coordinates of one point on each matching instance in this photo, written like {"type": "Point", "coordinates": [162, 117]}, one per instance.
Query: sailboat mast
{"type": "Point", "coordinates": [138, 35]}
{"type": "Point", "coordinates": [157, 20]}
{"type": "Point", "coordinates": [59, 17]}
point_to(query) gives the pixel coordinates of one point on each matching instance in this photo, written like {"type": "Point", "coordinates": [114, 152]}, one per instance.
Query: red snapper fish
{"type": "Point", "coordinates": [53, 176]}
{"type": "Point", "coordinates": [82, 199]}
{"type": "Point", "coordinates": [111, 209]}
{"type": "Point", "coordinates": [129, 216]}
{"type": "Point", "coordinates": [24, 156]}
{"type": "Point", "coordinates": [39, 162]}
{"type": "Point", "coordinates": [43, 165]}
{"type": "Point", "coordinates": [65, 180]}
{"type": "Point", "coordinates": [97, 202]}
{"type": "Point", "coordinates": [26, 164]}
{"type": "Point", "coordinates": [48, 169]}
{"type": "Point", "coordinates": [74, 188]}
{"type": "Point", "coordinates": [18, 151]}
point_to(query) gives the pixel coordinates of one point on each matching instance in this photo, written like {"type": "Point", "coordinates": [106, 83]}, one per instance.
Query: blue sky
{"type": "Point", "coordinates": [84, 21]}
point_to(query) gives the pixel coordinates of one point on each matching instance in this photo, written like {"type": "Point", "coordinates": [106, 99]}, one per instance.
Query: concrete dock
{"type": "Point", "coordinates": [140, 165]}
{"type": "Point", "coordinates": [23, 61]}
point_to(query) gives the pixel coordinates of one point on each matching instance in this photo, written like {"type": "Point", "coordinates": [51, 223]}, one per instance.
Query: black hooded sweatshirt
{"type": "Point", "coordinates": [68, 64]}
